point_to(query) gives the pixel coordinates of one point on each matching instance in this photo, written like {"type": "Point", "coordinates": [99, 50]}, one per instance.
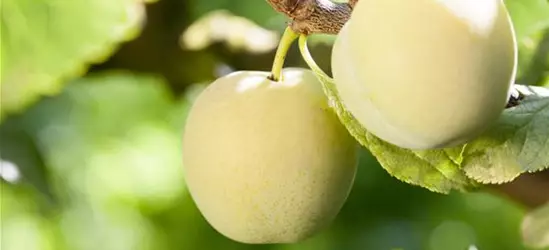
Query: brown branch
{"type": "Point", "coordinates": [352, 3]}
{"type": "Point", "coordinates": [314, 16]}
{"type": "Point", "coordinates": [530, 190]}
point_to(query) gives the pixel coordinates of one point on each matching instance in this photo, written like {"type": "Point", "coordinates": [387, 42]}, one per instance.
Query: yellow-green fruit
{"type": "Point", "coordinates": [426, 74]}
{"type": "Point", "coordinates": [265, 161]}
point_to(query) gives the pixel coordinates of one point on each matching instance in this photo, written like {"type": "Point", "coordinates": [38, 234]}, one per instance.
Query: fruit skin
{"type": "Point", "coordinates": [267, 162]}
{"type": "Point", "coordinates": [426, 74]}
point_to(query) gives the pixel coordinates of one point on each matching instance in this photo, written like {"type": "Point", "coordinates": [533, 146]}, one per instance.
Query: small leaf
{"type": "Point", "coordinates": [535, 228]}
{"type": "Point", "coordinates": [518, 143]}
{"type": "Point", "coordinates": [44, 42]}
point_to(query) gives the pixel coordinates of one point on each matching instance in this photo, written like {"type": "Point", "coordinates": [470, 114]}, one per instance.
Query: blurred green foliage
{"type": "Point", "coordinates": [44, 42]}
{"type": "Point", "coordinates": [95, 164]}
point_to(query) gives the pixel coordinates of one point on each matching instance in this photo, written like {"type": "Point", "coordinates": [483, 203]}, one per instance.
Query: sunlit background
{"type": "Point", "coordinates": [91, 157]}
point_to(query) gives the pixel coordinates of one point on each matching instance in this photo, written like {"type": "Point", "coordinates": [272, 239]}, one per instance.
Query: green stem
{"type": "Point", "coordinates": [309, 59]}
{"type": "Point", "coordinates": [286, 41]}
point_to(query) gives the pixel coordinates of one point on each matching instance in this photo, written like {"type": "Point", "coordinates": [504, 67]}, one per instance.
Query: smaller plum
{"type": "Point", "coordinates": [266, 161]}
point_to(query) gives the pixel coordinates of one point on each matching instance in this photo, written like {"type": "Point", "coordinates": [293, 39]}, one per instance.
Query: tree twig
{"type": "Point", "coordinates": [352, 3]}
{"type": "Point", "coordinates": [314, 16]}
{"type": "Point", "coordinates": [530, 190]}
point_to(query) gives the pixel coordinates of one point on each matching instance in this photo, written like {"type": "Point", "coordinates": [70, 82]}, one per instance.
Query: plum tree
{"type": "Point", "coordinates": [269, 157]}
{"type": "Point", "coordinates": [426, 74]}
{"type": "Point", "coordinates": [267, 161]}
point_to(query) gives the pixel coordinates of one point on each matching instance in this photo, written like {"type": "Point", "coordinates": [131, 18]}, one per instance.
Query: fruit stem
{"type": "Point", "coordinates": [309, 59]}
{"type": "Point", "coordinates": [286, 41]}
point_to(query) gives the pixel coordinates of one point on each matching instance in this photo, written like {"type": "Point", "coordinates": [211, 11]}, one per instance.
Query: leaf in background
{"type": "Point", "coordinates": [237, 32]}
{"type": "Point", "coordinates": [111, 116]}
{"type": "Point", "coordinates": [518, 143]}
{"type": "Point", "coordinates": [259, 12]}
{"type": "Point", "coordinates": [44, 42]}
{"type": "Point", "coordinates": [112, 145]}
{"type": "Point", "coordinates": [17, 147]}
{"type": "Point", "coordinates": [535, 69]}
{"type": "Point", "coordinates": [23, 220]}
{"type": "Point", "coordinates": [535, 228]}
{"type": "Point", "coordinates": [530, 18]}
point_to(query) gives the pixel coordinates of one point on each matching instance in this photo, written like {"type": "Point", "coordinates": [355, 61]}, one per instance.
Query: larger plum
{"type": "Point", "coordinates": [426, 74]}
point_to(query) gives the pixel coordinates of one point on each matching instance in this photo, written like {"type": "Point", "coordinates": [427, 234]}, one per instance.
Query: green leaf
{"type": "Point", "coordinates": [118, 129]}
{"type": "Point", "coordinates": [535, 228]}
{"type": "Point", "coordinates": [434, 169]}
{"type": "Point", "coordinates": [518, 143]}
{"type": "Point", "coordinates": [45, 42]}
{"type": "Point", "coordinates": [20, 149]}
{"type": "Point", "coordinates": [529, 17]}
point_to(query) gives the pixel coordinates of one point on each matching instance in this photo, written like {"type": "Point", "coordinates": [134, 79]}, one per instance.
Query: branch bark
{"type": "Point", "coordinates": [314, 16]}
{"type": "Point", "coordinates": [352, 3]}
{"type": "Point", "coordinates": [530, 190]}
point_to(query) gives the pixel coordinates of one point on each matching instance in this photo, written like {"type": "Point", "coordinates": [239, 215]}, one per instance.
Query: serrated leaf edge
{"type": "Point", "coordinates": [103, 52]}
